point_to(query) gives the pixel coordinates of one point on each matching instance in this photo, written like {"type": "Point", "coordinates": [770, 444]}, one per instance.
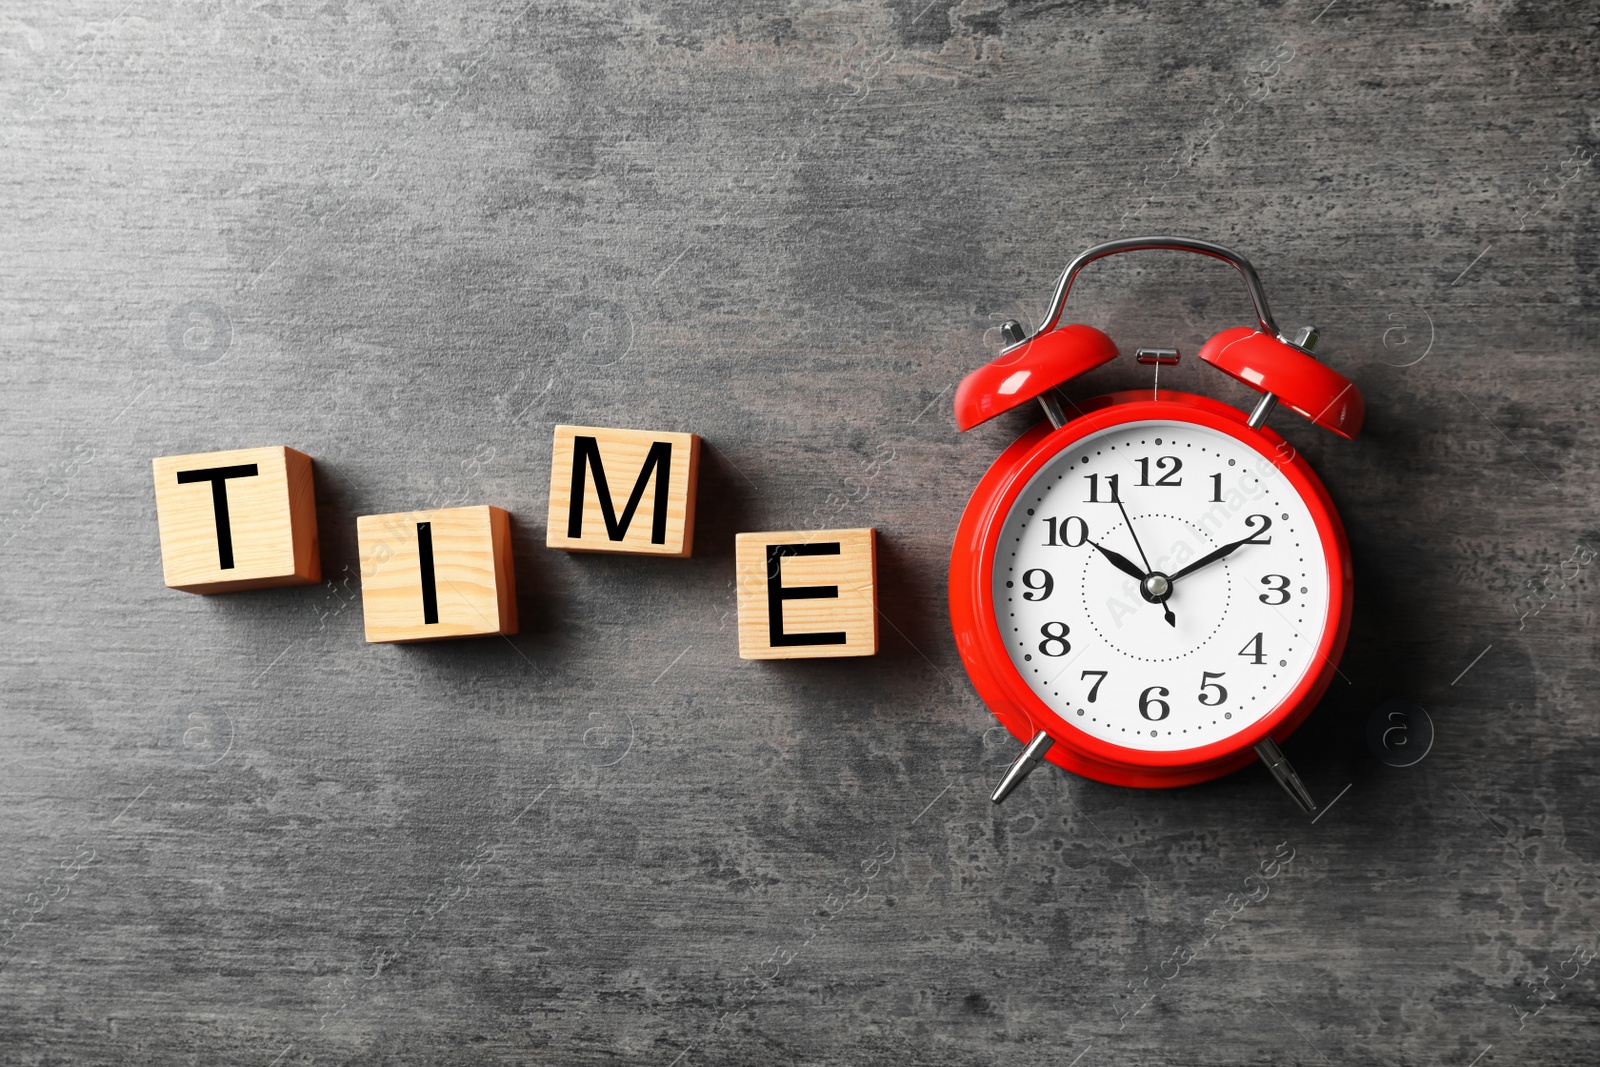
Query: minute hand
{"type": "Point", "coordinates": [1212, 557]}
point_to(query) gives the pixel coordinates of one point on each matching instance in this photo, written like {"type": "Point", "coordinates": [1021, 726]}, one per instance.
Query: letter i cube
{"type": "Point", "coordinates": [428, 575]}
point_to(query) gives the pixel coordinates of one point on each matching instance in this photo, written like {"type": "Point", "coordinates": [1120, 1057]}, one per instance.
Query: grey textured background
{"type": "Point", "coordinates": [408, 238]}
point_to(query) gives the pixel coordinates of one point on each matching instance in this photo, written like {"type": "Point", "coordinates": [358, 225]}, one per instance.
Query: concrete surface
{"type": "Point", "coordinates": [408, 238]}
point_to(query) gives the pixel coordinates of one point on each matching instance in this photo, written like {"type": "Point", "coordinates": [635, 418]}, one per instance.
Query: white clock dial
{"type": "Point", "coordinates": [1206, 655]}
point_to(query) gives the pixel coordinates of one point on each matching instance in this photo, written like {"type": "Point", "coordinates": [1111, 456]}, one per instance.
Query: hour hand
{"type": "Point", "coordinates": [1121, 562]}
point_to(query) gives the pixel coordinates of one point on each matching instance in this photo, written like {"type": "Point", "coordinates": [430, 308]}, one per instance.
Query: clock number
{"type": "Point", "coordinates": [1064, 532]}
{"type": "Point", "coordinates": [1058, 638]}
{"type": "Point", "coordinates": [1044, 588]}
{"type": "Point", "coordinates": [1253, 649]}
{"type": "Point", "coordinates": [1216, 489]}
{"type": "Point", "coordinates": [1094, 690]}
{"type": "Point", "coordinates": [1282, 587]}
{"type": "Point", "coordinates": [1094, 488]}
{"type": "Point", "coordinates": [1169, 479]}
{"type": "Point", "coordinates": [1207, 683]}
{"type": "Point", "coordinates": [1256, 537]}
{"type": "Point", "coordinates": [1146, 702]}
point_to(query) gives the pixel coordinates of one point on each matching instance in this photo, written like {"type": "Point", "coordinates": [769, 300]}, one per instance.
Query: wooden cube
{"type": "Point", "coordinates": [807, 595]}
{"type": "Point", "coordinates": [623, 491]}
{"type": "Point", "coordinates": [243, 519]}
{"type": "Point", "coordinates": [430, 575]}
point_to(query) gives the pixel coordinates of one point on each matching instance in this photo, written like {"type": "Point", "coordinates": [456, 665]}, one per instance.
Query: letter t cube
{"type": "Point", "coordinates": [245, 519]}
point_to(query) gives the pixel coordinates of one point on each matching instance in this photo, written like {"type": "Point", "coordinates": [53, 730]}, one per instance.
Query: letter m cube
{"type": "Point", "coordinates": [623, 491]}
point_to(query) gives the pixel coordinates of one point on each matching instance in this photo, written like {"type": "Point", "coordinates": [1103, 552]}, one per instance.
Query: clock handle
{"type": "Point", "coordinates": [1023, 766]}
{"type": "Point", "coordinates": [1258, 295]}
{"type": "Point", "coordinates": [1281, 769]}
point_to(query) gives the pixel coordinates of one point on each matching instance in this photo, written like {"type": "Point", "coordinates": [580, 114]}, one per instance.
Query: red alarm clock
{"type": "Point", "coordinates": [1155, 590]}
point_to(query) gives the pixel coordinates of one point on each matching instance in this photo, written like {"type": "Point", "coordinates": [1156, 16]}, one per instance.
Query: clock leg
{"type": "Point", "coordinates": [1279, 765]}
{"type": "Point", "coordinates": [1052, 408]}
{"type": "Point", "coordinates": [1263, 408]}
{"type": "Point", "coordinates": [1023, 766]}
{"type": "Point", "coordinates": [1306, 338]}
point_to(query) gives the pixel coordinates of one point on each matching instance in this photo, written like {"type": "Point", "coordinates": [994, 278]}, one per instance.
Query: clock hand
{"type": "Point", "coordinates": [1127, 566]}
{"type": "Point", "coordinates": [1119, 561]}
{"type": "Point", "coordinates": [1133, 533]}
{"type": "Point", "coordinates": [1145, 586]}
{"type": "Point", "coordinates": [1211, 557]}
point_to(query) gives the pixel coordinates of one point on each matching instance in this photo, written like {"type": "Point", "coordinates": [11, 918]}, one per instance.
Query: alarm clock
{"type": "Point", "coordinates": [1152, 588]}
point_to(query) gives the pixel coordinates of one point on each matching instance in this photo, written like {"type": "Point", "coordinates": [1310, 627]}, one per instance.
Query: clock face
{"type": "Point", "coordinates": [1114, 616]}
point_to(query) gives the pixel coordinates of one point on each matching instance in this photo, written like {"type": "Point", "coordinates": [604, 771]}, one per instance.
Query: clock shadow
{"type": "Point", "coordinates": [1330, 750]}
{"type": "Point", "coordinates": [724, 505]}
{"type": "Point", "coordinates": [1384, 659]}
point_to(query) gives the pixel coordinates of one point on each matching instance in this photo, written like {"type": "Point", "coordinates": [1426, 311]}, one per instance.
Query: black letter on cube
{"type": "Point", "coordinates": [586, 456]}
{"type": "Point", "coordinates": [218, 477]}
{"type": "Point", "coordinates": [777, 594]}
